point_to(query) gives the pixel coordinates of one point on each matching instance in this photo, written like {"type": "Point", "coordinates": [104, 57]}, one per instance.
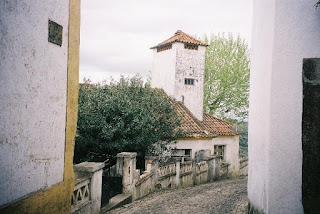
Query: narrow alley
{"type": "Point", "coordinates": [225, 196]}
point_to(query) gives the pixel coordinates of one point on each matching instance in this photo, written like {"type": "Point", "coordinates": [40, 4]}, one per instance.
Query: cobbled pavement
{"type": "Point", "coordinates": [219, 197]}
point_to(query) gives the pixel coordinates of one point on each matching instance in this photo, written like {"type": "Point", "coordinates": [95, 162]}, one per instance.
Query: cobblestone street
{"type": "Point", "coordinates": [226, 196]}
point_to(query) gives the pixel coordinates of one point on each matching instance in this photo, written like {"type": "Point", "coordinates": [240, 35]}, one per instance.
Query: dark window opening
{"type": "Point", "coordinates": [189, 81]}
{"type": "Point", "coordinates": [181, 152]}
{"type": "Point", "coordinates": [191, 46]}
{"type": "Point", "coordinates": [219, 151]}
{"type": "Point", "coordinates": [164, 48]}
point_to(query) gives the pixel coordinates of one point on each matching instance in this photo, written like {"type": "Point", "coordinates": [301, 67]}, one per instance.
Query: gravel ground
{"type": "Point", "coordinates": [226, 196]}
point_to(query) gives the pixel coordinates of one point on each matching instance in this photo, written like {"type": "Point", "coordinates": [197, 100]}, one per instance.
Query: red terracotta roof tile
{"type": "Point", "coordinates": [180, 36]}
{"type": "Point", "coordinates": [209, 127]}
{"type": "Point", "coordinates": [217, 126]}
{"type": "Point", "coordinates": [191, 127]}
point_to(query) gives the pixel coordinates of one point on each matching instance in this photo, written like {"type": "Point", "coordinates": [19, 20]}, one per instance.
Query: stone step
{"type": "Point", "coordinates": [116, 201]}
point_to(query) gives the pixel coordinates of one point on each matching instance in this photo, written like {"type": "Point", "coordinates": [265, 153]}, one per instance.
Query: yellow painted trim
{"type": "Point", "coordinates": [57, 199]}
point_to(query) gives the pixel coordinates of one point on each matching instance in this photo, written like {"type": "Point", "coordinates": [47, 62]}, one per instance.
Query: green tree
{"type": "Point", "coordinates": [123, 116]}
{"type": "Point", "coordinates": [226, 86]}
{"type": "Point", "coordinates": [243, 140]}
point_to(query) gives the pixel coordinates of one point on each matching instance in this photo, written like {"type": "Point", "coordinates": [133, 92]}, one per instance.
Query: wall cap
{"type": "Point", "coordinates": [88, 167]}
{"type": "Point", "coordinates": [127, 155]}
{"type": "Point", "coordinates": [151, 157]}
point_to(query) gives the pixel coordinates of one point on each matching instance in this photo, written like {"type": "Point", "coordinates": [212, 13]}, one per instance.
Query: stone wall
{"type": "Point", "coordinates": [177, 174]}
{"type": "Point", "coordinates": [86, 197]}
{"type": "Point", "coordinates": [243, 167]}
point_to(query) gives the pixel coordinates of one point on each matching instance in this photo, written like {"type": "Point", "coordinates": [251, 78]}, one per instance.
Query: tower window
{"type": "Point", "coordinates": [191, 46]}
{"type": "Point", "coordinates": [189, 81]}
{"type": "Point", "coordinates": [164, 48]}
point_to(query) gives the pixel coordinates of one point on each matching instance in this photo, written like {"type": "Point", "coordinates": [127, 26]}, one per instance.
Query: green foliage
{"type": "Point", "coordinates": [243, 141]}
{"type": "Point", "coordinates": [123, 116]}
{"type": "Point", "coordinates": [227, 73]}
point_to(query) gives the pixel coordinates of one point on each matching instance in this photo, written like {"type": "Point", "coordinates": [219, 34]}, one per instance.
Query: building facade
{"type": "Point", "coordinates": [178, 68]}
{"type": "Point", "coordinates": [38, 104]}
{"type": "Point", "coordinates": [284, 174]}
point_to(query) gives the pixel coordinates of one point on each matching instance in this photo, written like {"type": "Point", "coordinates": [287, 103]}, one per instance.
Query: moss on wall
{"type": "Point", "coordinates": [57, 199]}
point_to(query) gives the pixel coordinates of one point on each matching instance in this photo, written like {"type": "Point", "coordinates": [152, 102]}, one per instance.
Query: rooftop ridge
{"type": "Point", "coordinates": [180, 36]}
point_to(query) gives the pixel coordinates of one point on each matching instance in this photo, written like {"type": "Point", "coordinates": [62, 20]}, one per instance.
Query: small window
{"type": "Point", "coordinates": [219, 151]}
{"type": "Point", "coordinates": [189, 81]}
{"type": "Point", "coordinates": [164, 48]}
{"type": "Point", "coordinates": [191, 46]}
{"type": "Point", "coordinates": [181, 152]}
{"type": "Point", "coordinates": [188, 152]}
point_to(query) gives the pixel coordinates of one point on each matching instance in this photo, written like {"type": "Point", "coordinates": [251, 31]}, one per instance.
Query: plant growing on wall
{"type": "Point", "coordinates": [123, 116]}
{"type": "Point", "coordinates": [227, 72]}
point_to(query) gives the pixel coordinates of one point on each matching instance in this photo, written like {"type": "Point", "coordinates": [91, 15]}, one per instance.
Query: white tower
{"type": "Point", "coordinates": [178, 68]}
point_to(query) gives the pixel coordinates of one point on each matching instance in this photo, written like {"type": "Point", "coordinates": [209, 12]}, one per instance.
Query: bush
{"type": "Point", "coordinates": [123, 116]}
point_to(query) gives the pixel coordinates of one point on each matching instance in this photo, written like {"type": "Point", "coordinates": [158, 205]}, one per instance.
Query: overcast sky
{"type": "Point", "coordinates": [116, 36]}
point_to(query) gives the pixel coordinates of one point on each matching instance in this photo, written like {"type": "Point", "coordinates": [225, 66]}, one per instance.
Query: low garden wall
{"type": "Point", "coordinates": [86, 197]}
{"type": "Point", "coordinates": [176, 174]}
{"type": "Point", "coordinates": [243, 167]}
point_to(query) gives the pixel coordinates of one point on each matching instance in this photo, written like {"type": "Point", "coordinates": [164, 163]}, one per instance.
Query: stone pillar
{"type": "Point", "coordinates": [217, 168]}
{"type": "Point", "coordinates": [177, 180]}
{"type": "Point", "coordinates": [126, 167]}
{"type": "Point", "coordinates": [211, 169]}
{"type": "Point", "coordinates": [194, 171]}
{"type": "Point", "coordinates": [152, 163]}
{"type": "Point", "coordinates": [94, 170]}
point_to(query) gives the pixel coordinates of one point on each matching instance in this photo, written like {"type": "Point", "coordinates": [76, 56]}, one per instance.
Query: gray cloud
{"type": "Point", "coordinates": [116, 35]}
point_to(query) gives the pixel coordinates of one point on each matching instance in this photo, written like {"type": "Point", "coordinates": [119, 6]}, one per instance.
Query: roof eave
{"type": "Point", "coordinates": [158, 46]}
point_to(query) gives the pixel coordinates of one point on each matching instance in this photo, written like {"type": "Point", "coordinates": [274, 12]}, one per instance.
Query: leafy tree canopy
{"type": "Point", "coordinates": [227, 72]}
{"type": "Point", "coordinates": [123, 116]}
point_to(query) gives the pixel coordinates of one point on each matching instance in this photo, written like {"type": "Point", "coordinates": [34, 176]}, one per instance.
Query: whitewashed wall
{"type": "Point", "coordinates": [195, 145]}
{"type": "Point", "coordinates": [163, 70]}
{"type": "Point", "coordinates": [171, 67]}
{"type": "Point", "coordinates": [231, 144]}
{"type": "Point", "coordinates": [33, 83]}
{"type": "Point", "coordinates": [231, 151]}
{"type": "Point", "coordinates": [284, 32]}
{"type": "Point", "coordinates": [190, 64]}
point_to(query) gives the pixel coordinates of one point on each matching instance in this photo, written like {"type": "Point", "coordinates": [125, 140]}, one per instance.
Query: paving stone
{"type": "Point", "coordinates": [226, 196]}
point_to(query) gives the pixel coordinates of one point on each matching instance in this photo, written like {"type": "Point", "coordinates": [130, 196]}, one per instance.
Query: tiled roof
{"type": "Point", "coordinates": [217, 126]}
{"type": "Point", "coordinates": [209, 127]}
{"type": "Point", "coordinates": [180, 36]}
{"type": "Point", "coordinates": [190, 125]}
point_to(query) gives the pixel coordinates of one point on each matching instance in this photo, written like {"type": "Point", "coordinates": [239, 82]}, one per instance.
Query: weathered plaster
{"type": "Point", "coordinates": [231, 152]}
{"type": "Point", "coordinates": [33, 83]}
{"type": "Point", "coordinates": [284, 32]}
{"type": "Point", "coordinates": [172, 66]}
{"type": "Point", "coordinates": [163, 70]}
{"type": "Point", "coordinates": [57, 198]}
{"type": "Point", "coordinates": [231, 144]}
{"type": "Point", "coordinates": [190, 64]}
